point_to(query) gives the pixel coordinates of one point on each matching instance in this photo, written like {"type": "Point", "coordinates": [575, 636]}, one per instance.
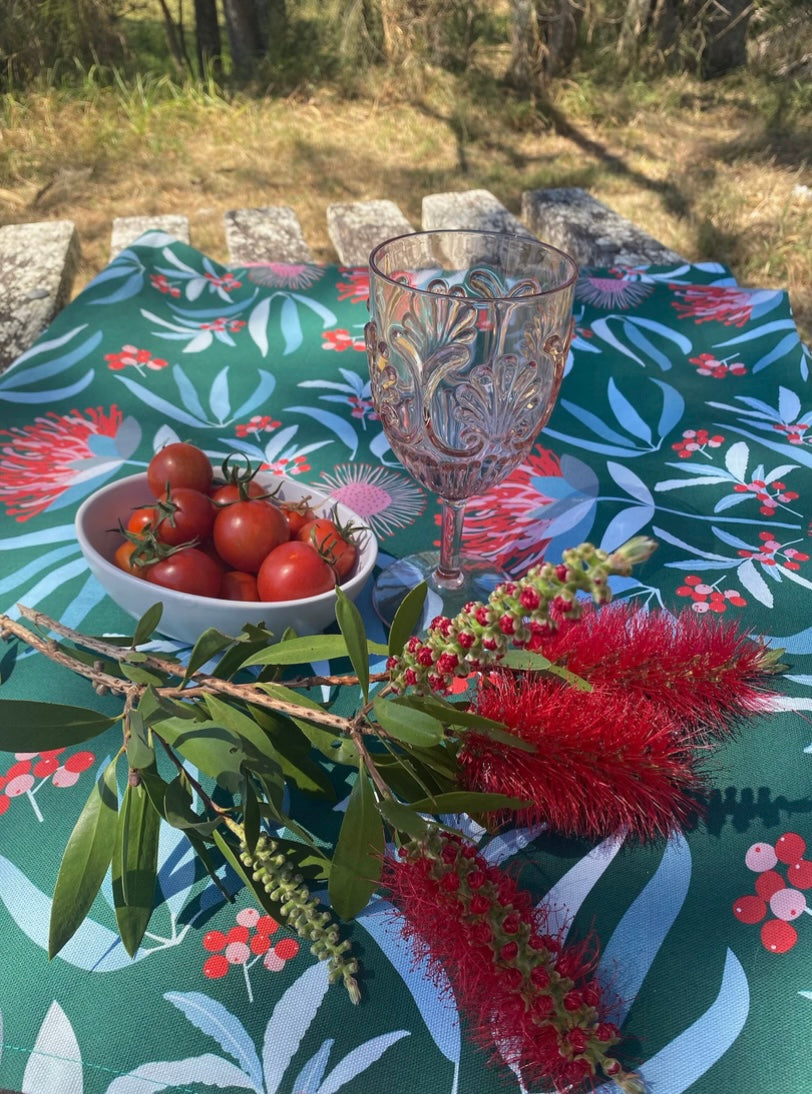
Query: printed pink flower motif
{"type": "Point", "coordinates": [708, 365]}
{"type": "Point", "coordinates": [697, 440]}
{"type": "Point", "coordinates": [225, 281]}
{"type": "Point", "coordinates": [362, 408]}
{"type": "Point", "coordinates": [41, 461]}
{"type": "Point", "coordinates": [285, 275]}
{"type": "Point", "coordinates": [713, 303]}
{"type": "Point", "coordinates": [223, 324]}
{"type": "Point", "coordinates": [356, 286]}
{"type": "Point", "coordinates": [795, 432]}
{"type": "Point", "coordinates": [139, 358]}
{"type": "Point", "coordinates": [778, 891]}
{"type": "Point", "coordinates": [618, 290]}
{"type": "Point", "coordinates": [161, 283]}
{"type": "Point", "coordinates": [341, 340]}
{"type": "Point", "coordinates": [385, 500]}
{"type": "Point", "coordinates": [707, 598]}
{"type": "Point", "coordinates": [31, 770]}
{"type": "Point", "coordinates": [769, 502]}
{"type": "Point", "coordinates": [772, 552]}
{"type": "Point", "coordinates": [287, 465]}
{"type": "Point", "coordinates": [260, 423]}
{"type": "Point", "coordinates": [248, 942]}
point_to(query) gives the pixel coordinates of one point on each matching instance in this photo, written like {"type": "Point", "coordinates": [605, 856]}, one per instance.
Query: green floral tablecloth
{"type": "Point", "coordinates": [684, 415]}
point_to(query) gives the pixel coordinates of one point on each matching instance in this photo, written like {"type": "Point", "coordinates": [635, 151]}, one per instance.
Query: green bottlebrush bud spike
{"type": "Point", "coordinates": [300, 911]}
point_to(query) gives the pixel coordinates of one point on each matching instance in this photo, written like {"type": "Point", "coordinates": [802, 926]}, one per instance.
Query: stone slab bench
{"type": "Point", "coordinates": [38, 262]}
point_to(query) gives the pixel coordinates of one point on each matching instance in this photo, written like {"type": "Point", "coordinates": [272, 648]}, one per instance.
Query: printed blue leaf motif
{"type": "Point", "coordinates": [258, 325]}
{"type": "Point", "coordinates": [732, 541]}
{"type": "Point", "coordinates": [291, 326]}
{"type": "Point", "coordinates": [19, 377]}
{"type": "Point", "coordinates": [673, 407]}
{"type": "Point", "coordinates": [327, 317]}
{"type": "Point", "coordinates": [631, 483]}
{"type": "Point", "coordinates": [359, 1059]}
{"type": "Point", "coordinates": [128, 289]}
{"type": "Point", "coordinates": [188, 393]}
{"type": "Point", "coordinates": [162, 406]}
{"type": "Point", "coordinates": [795, 452]}
{"type": "Point", "coordinates": [34, 566]}
{"type": "Point", "coordinates": [595, 423]}
{"type": "Point", "coordinates": [435, 1001]}
{"type": "Point", "coordinates": [123, 266]}
{"type": "Point", "coordinates": [764, 300]}
{"type": "Point", "coordinates": [636, 941]}
{"type": "Point", "coordinates": [754, 583]}
{"type": "Point", "coordinates": [626, 414]}
{"type": "Point", "coordinates": [213, 1019]}
{"type": "Point", "coordinates": [662, 534]}
{"type": "Point", "coordinates": [798, 643]}
{"type": "Point", "coordinates": [759, 332]}
{"type": "Point", "coordinates": [219, 399]}
{"type": "Point", "coordinates": [197, 315]}
{"type": "Point", "coordinates": [569, 892]}
{"type": "Point", "coordinates": [730, 500]}
{"type": "Point", "coordinates": [309, 1078]}
{"type": "Point", "coordinates": [624, 525]}
{"type": "Point", "coordinates": [789, 405]}
{"type": "Point", "coordinates": [208, 1070]}
{"type": "Point", "coordinates": [675, 1068]}
{"type": "Point", "coordinates": [776, 353]}
{"type": "Point", "coordinates": [510, 843]}
{"type": "Point", "coordinates": [707, 475]}
{"type": "Point", "coordinates": [646, 346]}
{"type": "Point", "coordinates": [736, 460]}
{"type": "Point", "coordinates": [93, 947]}
{"type": "Point", "coordinates": [290, 1021]}
{"type": "Point", "coordinates": [55, 1062]}
{"type": "Point", "coordinates": [342, 429]}
{"type": "Point", "coordinates": [260, 395]}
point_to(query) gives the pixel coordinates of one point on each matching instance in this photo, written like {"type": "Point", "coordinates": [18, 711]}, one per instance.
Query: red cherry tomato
{"type": "Point", "coordinates": [179, 464]}
{"type": "Point", "coordinates": [237, 585]}
{"type": "Point", "coordinates": [325, 537]}
{"type": "Point", "coordinates": [123, 559]}
{"type": "Point", "coordinates": [297, 516]}
{"type": "Point", "coordinates": [229, 492]}
{"type": "Point", "coordinates": [142, 518]}
{"type": "Point", "coordinates": [293, 571]}
{"type": "Point", "coordinates": [187, 571]}
{"type": "Point", "coordinates": [185, 515]}
{"type": "Point", "coordinates": [245, 532]}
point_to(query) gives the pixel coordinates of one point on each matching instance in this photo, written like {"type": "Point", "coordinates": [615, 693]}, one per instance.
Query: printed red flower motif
{"type": "Point", "coordinates": [223, 324]}
{"type": "Point", "coordinates": [713, 303]}
{"type": "Point", "coordinates": [770, 502]}
{"type": "Point", "coordinates": [341, 340]}
{"type": "Point", "coordinates": [161, 283]}
{"type": "Point", "coordinates": [246, 943]}
{"type": "Point", "coordinates": [31, 770]}
{"type": "Point", "coordinates": [697, 440]}
{"type": "Point", "coordinates": [287, 465]}
{"type": "Point", "coordinates": [708, 365]}
{"type": "Point", "coordinates": [356, 286]}
{"type": "Point", "coordinates": [707, 598]}
{"type": "Point", "coordinates": [260, 423]}
{"type": "Point", "coordinates": [779, 892]}
{"type": "Point", "coordinates": [771, 553]}
{"type": "Point", "coordinates": [41, 461]}
{"type": "Point", "coordinates": [130, 355]}
{"type": "Point", "coordinates": [796, 433]}
{"type": "Point", "coordinates": [225, 281]}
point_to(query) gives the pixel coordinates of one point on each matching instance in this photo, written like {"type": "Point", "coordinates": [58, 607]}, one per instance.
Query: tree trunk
{"type": "Point", "coordinates": [244, 35]}
{"type": "Point", "coordinates": [208, 44]}
{"type": "Point", "coordinates": [724, 28]}
{"type": "Point", "coordinates": [560, 30]}
{"type": "Point", "coordinates": [273, 22]}
{"type": "Point", "coordinates": [525, 59]}
{"type": "Point", "coordinates": [633, 30]}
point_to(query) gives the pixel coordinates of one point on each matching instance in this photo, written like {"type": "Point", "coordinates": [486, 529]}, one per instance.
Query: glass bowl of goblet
{"type": "Point", "coordinates": [467, 343]}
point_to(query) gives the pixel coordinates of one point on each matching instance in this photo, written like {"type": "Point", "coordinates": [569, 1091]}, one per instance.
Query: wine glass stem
{"type": "Point", "coordinates": [448, 574]}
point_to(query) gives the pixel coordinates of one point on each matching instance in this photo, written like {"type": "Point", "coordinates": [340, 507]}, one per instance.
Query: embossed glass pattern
{"type": "Point", "coordinates": [467, 341]}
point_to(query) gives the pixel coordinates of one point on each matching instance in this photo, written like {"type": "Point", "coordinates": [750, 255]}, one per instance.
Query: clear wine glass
{"type": "Point", "coordinates": [467, 340]}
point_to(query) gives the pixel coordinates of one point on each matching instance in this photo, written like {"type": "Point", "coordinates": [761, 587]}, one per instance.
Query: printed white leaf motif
{"type": "Point", "coordinates": [55, 1062]}
{"type": "Point", "coordinates": [258, 325]}
{"type": "Point", "coordinates": [213, 1019]}
{"type": "Point", "coordinates": [569, 893]}
{"type": "Point", "coordinates": [290, 1021]}
{"type": "Point", "coordinates": [736, 460]}
{"type": "Point", "coordinates": [208, 1070]}
{"type": "Point", "coordinates": [359, 1059]}
{"type": "Point", "coordinates": [754, 583]}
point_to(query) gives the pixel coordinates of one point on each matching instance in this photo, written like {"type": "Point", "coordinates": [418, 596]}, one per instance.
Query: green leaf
{"type": "Point", "coordinates": [140, 675]}
{"type": "Point", "coordinates": [525, 661]}
{"type": "Point", "coordinates": [250, 815]}
{"type": "Point", "coordinates": [202, 851]}
{"type": "Point", "coordinates": [210, 642]}
{"type": "Point", "coordinates": [464, 801]}
{"type": "Point", "coordinates": [243, 726]}
{"type": "Point", "coordinates": [351, 626]}
{"type": "Point", "coordinates": [28, 726]}
{"type": "Point", "coordinates": [404, 818]}
{"type": "Point", "coordinates": [358, 855]}
{"type": "Point", "coordinates": [455, 717]}
{"type": "Point", "coordinates": [156, 788]}
{"type": "Point", "coordinates": [404, 723]}
{"type": "Point", "coordinates": [332, 747]}
{"type": "Point", "coordinates": [88, 853]}
{"type": "Point", "coordinates": [135, 866]}
{"type": "Point", "coordinates": [300, 651]}
{"type": "Point", "coordinates": [147, 624]}
{"type": "Point", "coordinates": [139, 751]}
{"type": "Point", "coordinates": [294, 753]}
{"type": "Point", "coordinates": [407, 618]}
{"type": "Point", "coordinates": [209, 747]}
{"type": "Point", "coordinates": [177, 810]}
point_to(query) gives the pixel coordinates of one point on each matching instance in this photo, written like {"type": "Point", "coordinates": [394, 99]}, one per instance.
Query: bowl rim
{"type": "Point", "coordinates": [368, 551]}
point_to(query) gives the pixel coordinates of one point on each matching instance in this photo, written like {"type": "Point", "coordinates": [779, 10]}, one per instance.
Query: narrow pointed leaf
{"type": "Point", "coordinates": [301, 651]}
{"type": "Point", "coordinates": [250, 815]}
{"type": "Point", "coordinates": [139, 752]}
{"type": "Point", "coordinates": [87, 856]}
{"type": "Point", "coordinates": [464, 801]}
{"type": "Point", "coordinates": [147, 624]}
{"type": "Point", "coordinates": [359, 850]}
{"type": "Point", "coordinates": [404, 723]}
{"type": "Point", "coordinates": [352, 628]}
{"type": "Point", "coordinates": [210, 642]}
{"type": "Point", "coordinates": [28, 726]}
{"type": "Point", "coordinates": [404, 818]}
{"type": "Point", "coordinates": [135, 866]}
{"type": "Point", "coordinates": [407, 618]}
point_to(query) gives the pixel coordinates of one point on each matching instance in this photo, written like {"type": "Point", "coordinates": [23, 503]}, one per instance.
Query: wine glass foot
{"type": "Point", "coordinates": [479, 578]}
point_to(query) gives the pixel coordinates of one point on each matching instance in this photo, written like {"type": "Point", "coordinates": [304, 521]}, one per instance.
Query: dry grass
{"type": "Point", "coordinates": [703, 173]}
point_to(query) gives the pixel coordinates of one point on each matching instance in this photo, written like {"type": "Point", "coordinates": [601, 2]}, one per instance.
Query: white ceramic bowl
{"type": "Point", "coordinates": [184, 616]}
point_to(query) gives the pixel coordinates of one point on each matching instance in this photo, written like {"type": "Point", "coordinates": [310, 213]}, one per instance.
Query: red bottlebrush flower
{"type": "Point", "coordinates": [707, 672]}
{"type": "Point", "coordinates": [517, 1002]}
{"type": "Point", "coordinates": [605, 760]}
